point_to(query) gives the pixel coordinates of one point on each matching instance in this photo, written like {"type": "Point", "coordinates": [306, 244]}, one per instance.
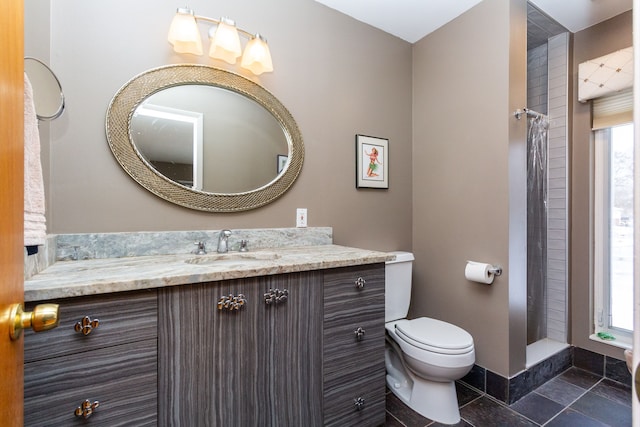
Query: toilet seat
{"type": "Point", "coordinates": [435, 336]}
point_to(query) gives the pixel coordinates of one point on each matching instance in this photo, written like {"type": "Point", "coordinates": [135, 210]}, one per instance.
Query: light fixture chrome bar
{"type": "Point", "coordinates": [247, 34]}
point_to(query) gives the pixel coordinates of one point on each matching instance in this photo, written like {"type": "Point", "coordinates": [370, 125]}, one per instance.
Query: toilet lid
{"type": "Point", "coordinates": [435, 335]}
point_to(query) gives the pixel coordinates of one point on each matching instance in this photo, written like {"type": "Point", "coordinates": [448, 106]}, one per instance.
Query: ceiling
{"type": "Point", "coordinates": [411, 20]}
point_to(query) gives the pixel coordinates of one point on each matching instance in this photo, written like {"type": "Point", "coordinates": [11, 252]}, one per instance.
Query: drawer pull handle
{"type": "Point", "coordinates": [86, 409]}
{"type": "Point", "coordinates": [231, 302]}
{"type": "Point", "coordinates": [359, 403]}
{"type": "Point", "coordinates": [276, 296]}
{"type": "Point", "coordinates": [359, 333]}
{"type": "Point", "coordinates": [360, 282]}
{"type": "Point", "coordinates": [86, 325]}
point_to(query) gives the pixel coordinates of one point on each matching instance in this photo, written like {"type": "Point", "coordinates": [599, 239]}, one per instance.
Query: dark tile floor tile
{"type": "Point", "coordinates": [465, 394]}
{"type": "Point", "coordinates": [390, 421]}
{"type": "Point", "coordinates": [589, 361]}
{"type": "Point", "coordinates": [617, 370]}
{"type": "Point", "coordinates": [560, 391]}
{"type": "Point", "coordinates": [405, 414]}
{"type": "Point", "coordinates": [570, 418]}
{"type": "Point", "coordinates": [603, 409]}
{"type": "Point", "coordinates": [497, 386]}
{"type": "Point", "coordinates": [486, 412]}
{"type": "Point", "coordinates": [476, 377]}
{"type": "Point", "coordinates": [537, 408]}
{"type": "Point", "coordinates": [580, 377]}
{"type": "Point", "coordinates": [613, 390]}
{"type": "Point", "coordinates": [462, 423]}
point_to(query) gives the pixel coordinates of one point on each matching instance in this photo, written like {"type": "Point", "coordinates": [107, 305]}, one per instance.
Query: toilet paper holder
{"type": "Point", "coordinates": [496, 270]}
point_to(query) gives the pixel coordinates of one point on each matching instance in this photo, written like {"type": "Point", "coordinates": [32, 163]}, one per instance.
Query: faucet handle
{"type": "Point", "coordinates": [200, 250]}
{"type": "Point", "coordinates": [243, 245]}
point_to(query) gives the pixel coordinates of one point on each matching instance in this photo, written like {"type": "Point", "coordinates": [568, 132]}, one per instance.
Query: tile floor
{"type": "Point", "coordinates": [574, 398]}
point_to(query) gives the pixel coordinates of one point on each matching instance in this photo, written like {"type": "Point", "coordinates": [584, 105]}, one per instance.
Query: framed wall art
{"type": "Point", "coordinates": [372, 162]}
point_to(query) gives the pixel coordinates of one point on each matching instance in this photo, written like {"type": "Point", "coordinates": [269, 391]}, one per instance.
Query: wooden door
{"type": "Point", "coordinates": [11, 204]}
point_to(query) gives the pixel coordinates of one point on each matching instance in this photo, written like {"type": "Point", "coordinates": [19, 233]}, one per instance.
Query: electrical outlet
{"type": "Point", "coordinates": [301, 217]}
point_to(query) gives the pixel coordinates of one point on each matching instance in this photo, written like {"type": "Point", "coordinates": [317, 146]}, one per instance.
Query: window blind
{"type": "Point", "coordinates": [613, 110]}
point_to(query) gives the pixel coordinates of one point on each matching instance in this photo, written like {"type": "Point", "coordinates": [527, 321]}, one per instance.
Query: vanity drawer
{"type": "Point", "coordinates": [341, 292]}
{"type": "Point", "coordinates": [123, 318]}
{"type": "Point", "coordinates": [123, 379]}
{"type": "Point", "coordinates": [343, 353]}
{"type": "Point", "coordinates": [340, 400]}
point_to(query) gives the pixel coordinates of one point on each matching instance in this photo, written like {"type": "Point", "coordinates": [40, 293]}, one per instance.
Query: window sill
{"type": "Point", "coordinates": [620, 342]}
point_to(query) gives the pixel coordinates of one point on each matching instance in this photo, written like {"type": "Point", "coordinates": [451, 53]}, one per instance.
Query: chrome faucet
{"type": "Point", "coordinates": [201, 250]}
{"type": "Point", "coordinates": [223, 241]}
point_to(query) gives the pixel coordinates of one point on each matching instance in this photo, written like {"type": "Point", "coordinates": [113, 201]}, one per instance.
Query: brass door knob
{"type": "Point", "coordinates": [42, 318]}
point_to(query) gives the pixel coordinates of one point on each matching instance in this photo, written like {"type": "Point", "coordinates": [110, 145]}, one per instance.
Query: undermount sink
{"type": "Point", "coordinates": [239, 257]}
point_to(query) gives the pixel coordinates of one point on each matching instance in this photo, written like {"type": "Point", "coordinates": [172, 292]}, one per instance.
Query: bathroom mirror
{"type": "Point", "coordinates": [204, 138]}
{"type": "Point", "coordinates": [48, 98]}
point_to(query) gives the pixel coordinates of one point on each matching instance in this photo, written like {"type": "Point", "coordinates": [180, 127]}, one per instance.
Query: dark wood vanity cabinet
{"type": "Point", "coordinates": [257, 365]}
{"type": "Point", "coordinates": [112, 362]}
{"type": "Point", "coordinates": [184, 356]}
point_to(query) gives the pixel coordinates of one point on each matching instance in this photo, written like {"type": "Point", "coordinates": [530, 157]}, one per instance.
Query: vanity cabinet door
{"type": "Point", "coordinates": [353, 355]}
{"type": "Point", "coordinates": [259, 365]}
{"type": "Point", "coordinates": [115, 363]}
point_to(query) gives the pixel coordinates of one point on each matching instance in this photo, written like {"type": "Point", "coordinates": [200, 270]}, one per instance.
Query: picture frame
{"type": "Point", "coordinates": [372, 162]}
{"type": "Point", "coordinates": [281, 162]}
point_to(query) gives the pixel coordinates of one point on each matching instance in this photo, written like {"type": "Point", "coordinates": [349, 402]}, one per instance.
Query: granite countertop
{"type": "Point", "coordinates": [66, 279]}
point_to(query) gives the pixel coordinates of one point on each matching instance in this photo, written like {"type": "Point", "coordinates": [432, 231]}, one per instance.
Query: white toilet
{"type": "Point", "coordinates": [423, 356]}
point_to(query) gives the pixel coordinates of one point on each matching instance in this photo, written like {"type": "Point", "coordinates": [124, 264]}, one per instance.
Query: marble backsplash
{"type": "Point", "coordinates": [69, 247]}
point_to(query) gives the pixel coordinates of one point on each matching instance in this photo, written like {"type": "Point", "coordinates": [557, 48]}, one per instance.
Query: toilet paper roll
{"type": "Point", "coordinates": [478, 272]}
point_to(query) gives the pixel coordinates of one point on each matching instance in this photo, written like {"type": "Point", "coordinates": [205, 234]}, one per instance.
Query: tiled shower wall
{"type": "Point", "coordinates": [537, 79]}
{"type": "Point", "coordinates": [557, 217]}
{"type": "Point", "coordinates": [547, 92]}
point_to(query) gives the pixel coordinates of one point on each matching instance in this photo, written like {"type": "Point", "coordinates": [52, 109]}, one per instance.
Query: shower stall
{"type": "Point", "coordinates": [547, 186]}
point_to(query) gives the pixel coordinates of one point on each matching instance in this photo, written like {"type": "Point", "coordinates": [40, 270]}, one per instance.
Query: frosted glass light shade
{"type": "Point", "coordinates": [184, 34]}
{"type": "Point", "coordinates": [257, 57]}
{"type": "Point", "coordinates": [225, 42]}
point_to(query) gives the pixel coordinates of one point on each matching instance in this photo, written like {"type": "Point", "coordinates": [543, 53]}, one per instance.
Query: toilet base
{"type": "Point", "coordinates": [433, 400]}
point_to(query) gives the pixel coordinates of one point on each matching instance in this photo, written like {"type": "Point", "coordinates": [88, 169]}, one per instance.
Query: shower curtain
{"type": "Point", "coordinates": [537, 228]}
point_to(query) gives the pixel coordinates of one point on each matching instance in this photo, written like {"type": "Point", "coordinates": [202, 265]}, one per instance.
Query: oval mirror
{"type": "Point", "coordinates": [48, 98]}
{"type": "Point", "coordinates": [204, 138]}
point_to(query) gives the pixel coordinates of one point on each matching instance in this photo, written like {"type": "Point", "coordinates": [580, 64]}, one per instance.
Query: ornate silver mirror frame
{"type": "Point", "coordinates": [134, 92]}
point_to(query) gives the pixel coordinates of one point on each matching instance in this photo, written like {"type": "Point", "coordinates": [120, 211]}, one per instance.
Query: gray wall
{"type": "Point", "coordinates": [601, 39]}
{"type": "Point", "coordinates": [338, 77]}
{"type": "Point", "coordinates": [469, 76]}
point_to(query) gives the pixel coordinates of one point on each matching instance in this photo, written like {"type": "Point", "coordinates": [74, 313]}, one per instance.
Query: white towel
{"type": "Point", "coordinates": [35, 229]}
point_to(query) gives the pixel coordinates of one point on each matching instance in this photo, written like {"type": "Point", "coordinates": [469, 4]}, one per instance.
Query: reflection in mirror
{"type": "Point", "coordinates": [204, 138]}
{"type": "Point", "coordinates": [47, 91]}
{"type": "Point", "coordinates": [209, 138]}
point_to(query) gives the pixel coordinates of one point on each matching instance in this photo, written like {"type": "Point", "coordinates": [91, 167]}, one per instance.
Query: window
{"type": "Point", "coordinates": [613, 226]}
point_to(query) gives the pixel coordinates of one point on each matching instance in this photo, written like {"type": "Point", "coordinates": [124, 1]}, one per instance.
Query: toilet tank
{"type": "Point", "coordinates": [397, 292]}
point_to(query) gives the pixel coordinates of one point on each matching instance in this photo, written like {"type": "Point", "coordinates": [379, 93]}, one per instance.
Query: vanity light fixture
{"type": "Point", "coordinates": [184, 35]}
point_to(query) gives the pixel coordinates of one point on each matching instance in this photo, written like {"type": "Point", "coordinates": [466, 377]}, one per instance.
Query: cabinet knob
{"type": "Point", "coordinates": [360, 282]}
{"type": "Point", "coordinates": [359, 403]}
{"type": "Point", "coordinates": [42, 318]}
{"type": "Point", "coordinates": [86, 325]}
{"type": "Point", "coordinates": [86, 409]}
{"type": "Point", "coordinates": [232, 302]}
{"type": "Point", "coordinates": [359, 333]}
{"type": "Point", "coordinates": [276, 296]}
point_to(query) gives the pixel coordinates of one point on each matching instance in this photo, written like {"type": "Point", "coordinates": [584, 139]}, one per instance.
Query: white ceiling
{"type": "Point", "coordinates": [411, 20]}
